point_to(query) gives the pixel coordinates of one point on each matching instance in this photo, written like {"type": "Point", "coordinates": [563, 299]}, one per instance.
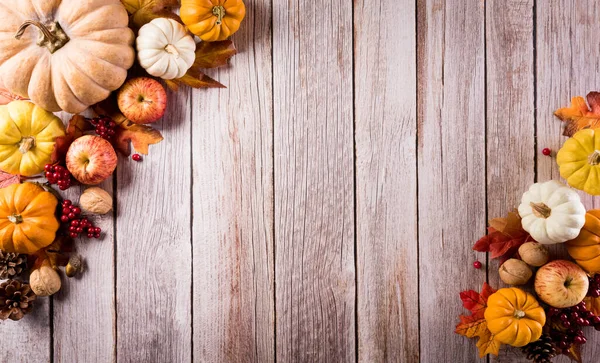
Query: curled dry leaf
{"type": "Point", "coordinates": [580, 115]}
{"type": "Point", "coordinates": [195, 79]}
{"type": "Point", "coordinates": [7, 97]}
{"type": "Point", "coordinates": [76, 127]}
{"type": "Point", "coordinates": [505, 236]}
{"type": "Point", "coordinates": [144, 11]}
{"type": "Point", "coordinates": [214, 54]}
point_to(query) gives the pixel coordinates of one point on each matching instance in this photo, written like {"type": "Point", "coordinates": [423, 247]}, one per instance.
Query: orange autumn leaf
{"type": "Point", "coordinates": [487, 344]}
{"type": "Point", "coordinates": [144, 11]}
{"type": "Point", "coordinates": [581, 114]}
{"type": "Point", "coordinates": [140, 136]}
{"type": "Point", "coordinates": [593, 304]}
{"type": "Point", "coordinates": [475, 325]}
{"type": "Point", "coordinates": [505, 236]}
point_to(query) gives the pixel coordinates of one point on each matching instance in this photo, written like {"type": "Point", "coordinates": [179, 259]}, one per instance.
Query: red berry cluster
{"type": "Point", "coordinates": [572, 319]}
{"type": "Point", "coordinates": [105, 127]}
{"type": "Point", "coordinates": [594, 289]}
{"type": "Point", "coordinates": [71, 215]}
{"type": "Point", "coordinates": [59, 175]}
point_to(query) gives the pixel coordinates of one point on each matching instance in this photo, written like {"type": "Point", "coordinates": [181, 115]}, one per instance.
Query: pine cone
{"type": "Point", "coordinates": [16, 299]}
{"type": "Point", "coordinates": [540, 351]}
{"type": "Point", "coordinates": [11, 264]}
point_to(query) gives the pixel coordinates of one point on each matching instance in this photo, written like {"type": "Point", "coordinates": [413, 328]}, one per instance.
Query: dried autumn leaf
{"type": "Point", "coordinates": [574, 353]}
{"type": "Point", "coordinates": [140, 136]}
{"type": "Point", "coordinates": [593, 304]}
{"type": "Point", "coordinates": [580, 115]}
{"type": "Point", "coordinates": [195, 79]}
{"type": "Point", "coordinates": [476, 302]}
{"type": "Point", "coordinates": [109, 107]}
{"type": "Point", "coordinates": [487, 344]}
{"type": "Point", "coordinates": [76, 127]}
{"type": "Point", "coordinates": [505, 236]}
{"type": "Point", "coordinates": [471, 326]}
{"type": "Point", "coordinates": [144, 11]}
{"type": "Point", "coordinates": [7, 179]}
{"type": "Point", "coordinates": [7, 97]}
{"type": "Point", "coordinates": [214, 54]}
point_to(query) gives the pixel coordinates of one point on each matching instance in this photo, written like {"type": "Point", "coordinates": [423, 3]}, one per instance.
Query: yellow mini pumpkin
{"type": "Point", "coordinates": [213, 20]}
{"type": "Point", "coordinates": [585, 248]}
{"type": "Point", "coordinates": [27, 137]}
{"type": "Point", "coordinates": [579, 161]}
{"type": "Point", "coordinates": [514, 317]}
{"type": "Point", "coordinates": [27, 218]}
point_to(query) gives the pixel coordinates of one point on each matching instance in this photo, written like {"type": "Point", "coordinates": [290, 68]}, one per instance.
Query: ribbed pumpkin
{"type": "Point", "coordinates": [514, 317]}
{"type": "Point", "coordinates": [579, 161]}
{"type": "Point", "coordinates": [27, 218]}
{"type": "Point", "coordinates": [585, 248]}
{"type": "Point", "coordinates": [64, 54]}
{"type": "Point", "coordinates": [213, 20]}
{"type": "Point", "coordinates": [27, 137]}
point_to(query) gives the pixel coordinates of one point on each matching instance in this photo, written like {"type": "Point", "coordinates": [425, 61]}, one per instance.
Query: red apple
{"type": "Point", "coordinates": [91, 159]}
{"type": "Point", "coordinates": [561, 284]}
{"type": "Point", "coordinates": [142, 100]}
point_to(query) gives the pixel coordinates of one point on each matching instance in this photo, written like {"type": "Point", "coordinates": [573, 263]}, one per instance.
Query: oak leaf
{"type": "Point", "coordinates": [7, 179]}
{"type": "Point", "coordinates": [505, 236]}
{"type": "Point", "coordinates": [144, 11]}
{"type": "Point", "coordinates": [581, 114]}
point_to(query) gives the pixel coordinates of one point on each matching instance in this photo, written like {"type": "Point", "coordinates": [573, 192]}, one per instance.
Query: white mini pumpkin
{"type": "Point", "coordinates": [551, 212]}
{"type": "Point", "coordinates": [165, 49]}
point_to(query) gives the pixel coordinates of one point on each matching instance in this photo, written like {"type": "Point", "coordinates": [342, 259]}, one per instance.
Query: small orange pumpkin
{"type": "Point", "coordinates": [585, 248]}
{"type": "Point", "coordinates": [212, 20]}
{"type": "Point", "coordinates": [27, 218]}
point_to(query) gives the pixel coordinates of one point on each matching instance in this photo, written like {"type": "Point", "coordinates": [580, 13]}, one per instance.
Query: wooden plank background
{"type": "Point", "coordinates": [322, 208]}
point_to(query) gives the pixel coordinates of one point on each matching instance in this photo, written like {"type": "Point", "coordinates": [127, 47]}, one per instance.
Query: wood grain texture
{"type": "Point", "coordinates": [153, 256]}
{"type": "Point", "coordinates": [314, 181]}
{"type": "Point", "coordinates": [233, 203]}
{"type": "Point", "coordinates": [568, 65]}
{"type": "Point", "coordinates": [28, 340]}
{"type": "Point", "coordinates": [510, 117]}
{"type": "Point", "coordinates": [386, 181]}
{"type": "Point", "coordinates": [451, 169]}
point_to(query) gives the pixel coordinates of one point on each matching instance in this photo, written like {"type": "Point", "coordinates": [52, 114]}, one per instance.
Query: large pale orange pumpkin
{"type": "Point", "coordinates": [585, 248]}
{"type": "Point", "coordinates": [27, 218]}
{"type": "Point", "coordinates": [64, 54]}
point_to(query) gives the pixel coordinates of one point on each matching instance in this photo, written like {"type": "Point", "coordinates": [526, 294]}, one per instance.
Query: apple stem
{"type": "Point", "coordinates": [540, 210]}
{"type": "Point", "coordinates": [26, 144]}
{"type": "Point", "coordinates": [519, 314]}
{"type": "Point", "coordinates": [170, 48]}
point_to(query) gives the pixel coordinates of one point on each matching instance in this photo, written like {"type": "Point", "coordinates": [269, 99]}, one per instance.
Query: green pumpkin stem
{"type": "Point", "coordinates": [219, 12]}
{"type": "Point", "coordinates": [52, 36]}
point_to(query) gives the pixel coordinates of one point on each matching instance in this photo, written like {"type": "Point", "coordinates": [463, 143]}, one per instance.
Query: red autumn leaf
{"type": "Point", "coordinates": [474, 301]}
{"type": "Point", "coordinates": [214, 54]}
{"type": "Point", "coordinates": [505, 236]}
{"type": "Point", "coordinates": [580, 115]}
{"type": "Point", "coordinates": [76, 127]}
{"type": "Point", "coordinates": [475, 324]}
{"type": "Point", "coordinates": [7, 179]}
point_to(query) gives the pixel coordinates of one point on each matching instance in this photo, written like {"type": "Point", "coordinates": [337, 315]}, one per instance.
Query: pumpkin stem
{"type": "Point", "coordinates": [219, 12]}
{"type": "Point", "coordinates": [519, 314]}
{"type": "Point", "coordinates": [26, 144]}
{"type": "Point", "coordinates": [172, 50]}
{"type": "Point", "coordinates": [594, 158]}
{"type": "Point", "coordinates": [540, 210]}
{"type": "Point", "coordinates": [52, 36]}
{"type": "Point", "coordinates": [15, 218]}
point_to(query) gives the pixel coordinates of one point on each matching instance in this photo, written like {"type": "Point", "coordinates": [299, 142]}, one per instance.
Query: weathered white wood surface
{"type": "Point", "coordinates": [323, 207]}
{"type": "Point", "coordinates": [314, 181]}
{"type": "Point", "coordinates": [232, 136]}
{"type": "Point", "coordinates": [386, 181]}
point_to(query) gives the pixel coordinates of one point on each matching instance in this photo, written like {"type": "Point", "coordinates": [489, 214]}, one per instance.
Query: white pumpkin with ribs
{"type": "Point", "coordinates": [551, 212]}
